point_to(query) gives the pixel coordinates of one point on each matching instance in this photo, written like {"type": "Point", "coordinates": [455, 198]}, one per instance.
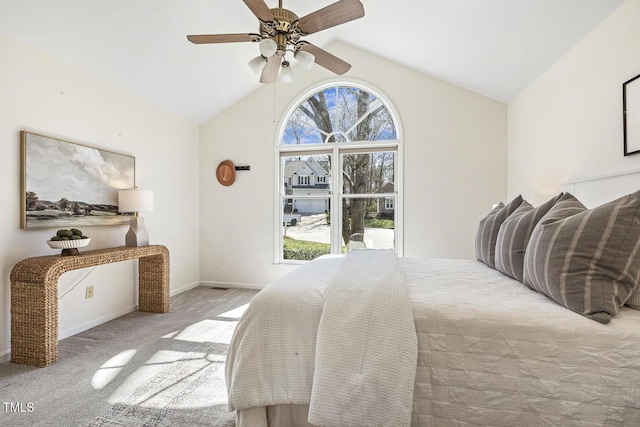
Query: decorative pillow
{"type": "Point", "coordinates": [479, 235]}
{"type": "Point", "coordinates": [634, 299]}
{"type": "Point", "coordinates": [514, 235]}
{"type": "Point", "coordinates": [586, 260]}
{"type": "Point", "coordinates": [488, 231]}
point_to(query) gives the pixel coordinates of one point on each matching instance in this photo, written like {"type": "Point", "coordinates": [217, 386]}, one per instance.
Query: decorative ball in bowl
{"type": "Point", "coordinates": [69, 241]}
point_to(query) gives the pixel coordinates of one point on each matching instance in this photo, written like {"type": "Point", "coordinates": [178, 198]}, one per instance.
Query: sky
{"type": "Point", "coordinates": [57, 169]}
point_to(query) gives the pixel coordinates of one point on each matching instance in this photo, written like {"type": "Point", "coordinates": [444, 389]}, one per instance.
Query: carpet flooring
{"type": "Point", "coordinates": [142, 369]}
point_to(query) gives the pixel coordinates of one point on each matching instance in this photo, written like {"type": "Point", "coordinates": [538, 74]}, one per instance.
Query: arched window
{"type": "Point", "coordinates": [339, 182]}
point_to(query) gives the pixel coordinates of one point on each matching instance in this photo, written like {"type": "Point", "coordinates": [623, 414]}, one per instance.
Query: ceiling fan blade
{"type": "Point", "coordinates": [325, 59]}
{"type": "Point", "coordinates": [223, 38]}
{"type": "Point", "coordinates": [330, 16]}
{"type": "Point", "coordinates": [260, 9]}
{"type": "Point", "coordinates": [271, 68]}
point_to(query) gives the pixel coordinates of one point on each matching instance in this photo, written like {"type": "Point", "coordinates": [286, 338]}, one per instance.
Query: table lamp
{"type": "Point", "coordinates": [136, 201]}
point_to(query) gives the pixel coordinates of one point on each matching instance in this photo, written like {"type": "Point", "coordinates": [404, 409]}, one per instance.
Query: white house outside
{"type": "Point", "coordinates": [308, 177]}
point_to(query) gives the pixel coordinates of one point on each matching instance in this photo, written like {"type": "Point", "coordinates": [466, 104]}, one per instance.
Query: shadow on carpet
{"type": "Point", "coordinates": [189, 392]}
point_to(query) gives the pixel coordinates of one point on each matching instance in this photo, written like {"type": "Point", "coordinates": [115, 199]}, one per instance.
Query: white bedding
{"type": "Point", "coordinates": [359, 359]}
{"type": "Point", "coordinates": [362, 359]}
{"type": "Point", "coordinates": [491, 351]}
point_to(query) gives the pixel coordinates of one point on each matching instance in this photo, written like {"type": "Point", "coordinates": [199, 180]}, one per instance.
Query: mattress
{"type": "Point", "coordinates": [494, 352]}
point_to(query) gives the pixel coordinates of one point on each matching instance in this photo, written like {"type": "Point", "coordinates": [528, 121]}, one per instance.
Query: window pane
{"type": "Point", "coordinates": [370, 223]}
{"type": "Point", "coordinates": [306, 235]}
{"type": "Point", "coordinates": [382, 126]}
{"type": "Point", "coordinates": [301, 129]}
{"type": "Point", "coordinates": [339, 114]}
{"type": "Point", "coordinates": [366, 173]}
{"type": "Point", "coordinates": [307, 176]}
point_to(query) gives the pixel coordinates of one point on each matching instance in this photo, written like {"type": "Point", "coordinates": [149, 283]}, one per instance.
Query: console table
{"type": "Point", "coordinates": [34, 295]}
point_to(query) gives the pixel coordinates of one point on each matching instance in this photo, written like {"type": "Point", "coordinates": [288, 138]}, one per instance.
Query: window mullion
{"type": "Point", "coordinates": [336, 201]}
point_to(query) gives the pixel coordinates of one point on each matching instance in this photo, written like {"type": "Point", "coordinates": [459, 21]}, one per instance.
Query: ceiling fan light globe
{"type": "Point", "coordinates": [286, 74]}
{"type": "Point", "coordinates": [268, 47]}
{"type": "Point", "coordinates": [257, 64]}
{"type": "Point", "coordinates": [305, 59]}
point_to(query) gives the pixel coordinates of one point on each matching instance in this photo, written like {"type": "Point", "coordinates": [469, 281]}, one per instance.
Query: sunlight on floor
{"type": "Point", "coordinates": [168, 375]}
{"type": "Point", "coordinates": [206, 331]}
{"type": "Point", "coordinates": [111, 368]}
{"type": "Point", "coordinates": [236, 313]}
{"type": "Point", "coordinates": [157, 363]}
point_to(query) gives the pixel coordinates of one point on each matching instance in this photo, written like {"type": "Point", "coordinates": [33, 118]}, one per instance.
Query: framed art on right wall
{"type": "Point", "coordinates": [631, 115]}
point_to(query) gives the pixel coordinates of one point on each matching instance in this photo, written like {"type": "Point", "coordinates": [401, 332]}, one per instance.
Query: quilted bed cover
{"type": "Point", "coordinates": [491, 352]}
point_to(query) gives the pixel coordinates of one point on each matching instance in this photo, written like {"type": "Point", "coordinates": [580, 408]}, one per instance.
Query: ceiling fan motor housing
{"type": "Point", "coordinates": [284, 19]}
{"type": "Point", "coordinates": [282, 29]}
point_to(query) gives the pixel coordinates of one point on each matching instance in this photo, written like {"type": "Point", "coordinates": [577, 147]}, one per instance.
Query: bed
{"type": "Point", "coordinates": [490, 351]}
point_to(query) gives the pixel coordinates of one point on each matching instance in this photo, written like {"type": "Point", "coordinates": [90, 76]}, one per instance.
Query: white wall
{"type": "Point", "coordinates": [455, 167]}
{"type": "Point", "coordinates": [42, 95]}
{"type": "Point", "coordinates": [567, 125]}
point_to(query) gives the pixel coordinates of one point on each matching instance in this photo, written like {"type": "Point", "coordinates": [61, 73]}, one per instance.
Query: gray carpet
{"type": "Point", "coordinates": [141, 369]}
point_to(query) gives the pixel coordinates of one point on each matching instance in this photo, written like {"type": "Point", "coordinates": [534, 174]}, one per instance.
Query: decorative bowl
{"type": "Point", "coordinates": [68, 244]}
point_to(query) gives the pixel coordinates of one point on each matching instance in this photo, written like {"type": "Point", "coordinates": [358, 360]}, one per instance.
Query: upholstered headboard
{"type": "Point", "coordinates": [598, 190]}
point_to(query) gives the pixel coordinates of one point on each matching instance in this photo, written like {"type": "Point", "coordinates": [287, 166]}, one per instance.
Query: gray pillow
{"type": "Point", "coordinates": [586, 260]}
{"type": "Point", "coordinates": [514, 235]}
{"type": "Point", "coordinates": [488, 230]}
{"type": "Point", "coordinates": [634, 299]}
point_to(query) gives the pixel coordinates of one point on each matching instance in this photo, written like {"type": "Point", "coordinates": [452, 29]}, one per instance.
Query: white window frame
{"type": "Point", "coordinates": [336, 149]}
{"type": "Point", "coordinates": [388, 203]}
{"type": "Point", "coordinates": [304, 180]}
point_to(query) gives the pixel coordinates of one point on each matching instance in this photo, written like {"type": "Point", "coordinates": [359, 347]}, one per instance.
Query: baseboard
{"type": "Point", "coordinates": [232, 285]}
{"type": "Point", "coordinates": [5, 356]}
{"type": "Point", "coordinates": [86, 326]}
{"type": "Point", "coordinates": [185, 288]}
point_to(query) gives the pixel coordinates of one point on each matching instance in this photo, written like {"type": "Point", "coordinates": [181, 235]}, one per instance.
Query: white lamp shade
{"type": "Point", "coordinates": [257, 64]}
{"type": "Point", "coordinates": [286, 75]}
{"type": "Point", "coordinates": [135, 201]}
{"type": "Point", "coordinates": [305, 59]}
{"type": "Point", "coordinates": [268, 47]}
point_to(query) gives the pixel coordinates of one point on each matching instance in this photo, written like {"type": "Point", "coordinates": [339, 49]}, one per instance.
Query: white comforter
{"type": "Point", "coordinates": [344, 344]}
{"type": "Point", "coordinates": [366, 348]}
{"type": "Point", "coordinates": [493, 352]}
{"type": "Point", "coordinates": [490, 350]}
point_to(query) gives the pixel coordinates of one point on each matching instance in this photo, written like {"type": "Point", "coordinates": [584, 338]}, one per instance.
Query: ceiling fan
{"type": "Point", "coordinates": [280, 32]}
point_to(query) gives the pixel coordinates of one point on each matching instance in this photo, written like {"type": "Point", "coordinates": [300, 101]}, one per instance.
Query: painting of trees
{"type": "Point", "coordinates": [67, 184]}
{"type": "Point", "coordinates": [32, 201]}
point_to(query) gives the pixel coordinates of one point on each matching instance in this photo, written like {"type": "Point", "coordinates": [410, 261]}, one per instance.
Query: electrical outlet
{"type": "Point", "coordinates": [261, 265]}
{"type": "Point", "coordinates": [88, 293]}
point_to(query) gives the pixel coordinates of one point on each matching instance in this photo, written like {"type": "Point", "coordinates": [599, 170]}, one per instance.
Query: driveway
{"type": "Point", "coordinates": [314, 228]}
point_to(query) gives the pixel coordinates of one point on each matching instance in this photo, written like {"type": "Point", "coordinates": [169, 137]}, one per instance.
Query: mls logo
{"type": "Point", "coordinates": [17, 406]}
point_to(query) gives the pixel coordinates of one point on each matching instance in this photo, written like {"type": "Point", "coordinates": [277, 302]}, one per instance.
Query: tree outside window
{"type": "Point", "coordinates": [347, 135]}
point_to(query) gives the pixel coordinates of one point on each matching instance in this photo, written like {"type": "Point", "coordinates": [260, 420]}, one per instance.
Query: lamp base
{"type": "Point", "coordinates": [137, 234]}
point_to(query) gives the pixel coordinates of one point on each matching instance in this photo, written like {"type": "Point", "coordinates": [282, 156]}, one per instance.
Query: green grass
{"type": "Point", "coordinates": [378, 223]}
{"type": "Point", "coordinates": [303, 250]}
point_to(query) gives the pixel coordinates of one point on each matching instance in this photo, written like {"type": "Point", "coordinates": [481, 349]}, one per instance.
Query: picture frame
{"type": "Point", "coordinates": [66, 184]}
{"type": "Point", "coordinates": [631, 115]}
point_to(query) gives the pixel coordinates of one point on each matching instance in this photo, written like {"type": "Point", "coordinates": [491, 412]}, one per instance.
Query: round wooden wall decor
{"type": "Point", "coordinates": [226, 173]}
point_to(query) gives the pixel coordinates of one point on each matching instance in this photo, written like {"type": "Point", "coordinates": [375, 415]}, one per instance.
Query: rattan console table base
{"type": "Point", "coordinates": [34, 295]}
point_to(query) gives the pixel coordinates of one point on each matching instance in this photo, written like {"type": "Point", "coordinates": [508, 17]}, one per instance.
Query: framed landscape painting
{"type": "Point", "coordinates": [66, 185]}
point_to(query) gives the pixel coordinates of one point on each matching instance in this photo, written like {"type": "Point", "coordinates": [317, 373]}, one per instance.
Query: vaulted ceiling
{"type": "Point", "coordinates": [493, 47]}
